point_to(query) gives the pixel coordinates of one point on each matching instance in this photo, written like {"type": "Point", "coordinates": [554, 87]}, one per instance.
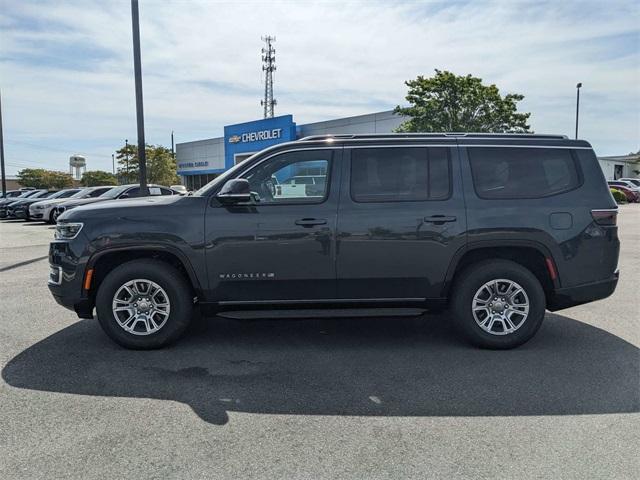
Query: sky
{"type": "Point", "coordinates": [66, 68]}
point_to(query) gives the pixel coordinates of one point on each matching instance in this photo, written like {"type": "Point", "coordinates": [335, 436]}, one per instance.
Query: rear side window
{"type": "Point", "coordinates": [400, 174]}
{"type": "Point", "coordinates": [522, 172]}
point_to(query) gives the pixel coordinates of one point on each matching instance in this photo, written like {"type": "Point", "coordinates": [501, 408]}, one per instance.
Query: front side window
{"type": "Point", "coordinates": [400, 174]}
{"type": "Point", "coordinates": [512, 173]}
{"type": "Point", "coordinates": [282, 179]}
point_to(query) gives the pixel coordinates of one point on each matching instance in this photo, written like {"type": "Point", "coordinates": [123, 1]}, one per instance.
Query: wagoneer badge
{"type": "Point", "coordinates": [247, 276]}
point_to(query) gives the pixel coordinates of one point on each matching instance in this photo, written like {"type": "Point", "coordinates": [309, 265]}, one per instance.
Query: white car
{"type": "Point", "coordinates": [45, 210]}
{"type": "Point", "coordinates": [621, 182]}
{"type": "Point", "coordinates": [301, 186]}
{"type": "Point", "coordinates": [635, 181]}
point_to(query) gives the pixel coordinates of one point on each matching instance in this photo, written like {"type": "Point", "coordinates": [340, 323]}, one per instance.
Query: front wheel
{"type": "Point", "coordinates": [498, 304]}
{"type": "Point", "coordinates": [144, 304]}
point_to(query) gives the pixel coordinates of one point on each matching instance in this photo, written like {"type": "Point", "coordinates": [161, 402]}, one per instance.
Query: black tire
{"type": "Point", "coordinates": [168, 278]}
{"type": "Point", "coordinates": [472, 279]}
{"type": "Point", "coordinates": [51, 220]}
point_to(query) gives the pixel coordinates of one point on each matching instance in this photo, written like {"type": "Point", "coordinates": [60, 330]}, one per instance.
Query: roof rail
{"type": "Point", "coordinates": [346, 136]}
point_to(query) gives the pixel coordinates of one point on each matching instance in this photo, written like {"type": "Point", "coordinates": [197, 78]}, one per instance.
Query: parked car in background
{"type": "Point", "coordinates": [624, 183]}
{"type": "Point", "coordinates": [179, 189]}
{"type": "Point", "coordinates": [6, 201]}
{"type": "Point", "coordinates": [17, 208]}
{"type": "Point", "coordinates": [632, 195]}
{"type": "Point", "coordinates": [635, 181]}
{"type": "Point", "coordinates": [45, 209]}
{"type": "Point", "coordinates": [11, 194]}
{"type": "Point", "coordinates": [481, 224]}
{"type": "Point", "coordinates": [116, 193]}
{"type": "Point", "coordinates": [5, 204]}
{"type": "Point", "coordinates": [23, 209]}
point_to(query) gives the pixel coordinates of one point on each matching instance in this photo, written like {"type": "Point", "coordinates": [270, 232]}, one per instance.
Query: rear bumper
{"type": "Point", "coordinates": [585, 293]}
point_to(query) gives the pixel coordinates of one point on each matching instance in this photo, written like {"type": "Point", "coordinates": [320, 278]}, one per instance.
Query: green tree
{"type": "Point", "coordinates": [94, 178]}
{"type": "Point", "coordinates": [41, 178]}
{"type": "Point", "coordinates": [161, 166]}
{"type": "Point", "coordinates": [452, 103]}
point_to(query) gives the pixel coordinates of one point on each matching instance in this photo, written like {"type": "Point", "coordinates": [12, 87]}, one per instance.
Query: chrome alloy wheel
{"type": "Point", "coordinates": [141, 307]}
{"type": "Point", "coordinates": [500, 306]}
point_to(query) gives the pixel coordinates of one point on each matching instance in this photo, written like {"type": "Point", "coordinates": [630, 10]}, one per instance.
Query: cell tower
{"type": "Point", "coordinates": [268, 66]}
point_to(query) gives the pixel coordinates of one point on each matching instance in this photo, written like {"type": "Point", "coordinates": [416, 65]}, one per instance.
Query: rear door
{"type": "Point", "coordinates": [401, 218]}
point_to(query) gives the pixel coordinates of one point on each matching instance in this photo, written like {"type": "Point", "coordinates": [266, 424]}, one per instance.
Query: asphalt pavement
{"type": "Point", "coordinates": [362, 398]}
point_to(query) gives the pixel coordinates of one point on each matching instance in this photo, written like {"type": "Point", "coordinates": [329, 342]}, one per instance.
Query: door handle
{"type": "Point", "coordinates": [440, 219]}
{"type": "Point", "coordinates": [310, 222]}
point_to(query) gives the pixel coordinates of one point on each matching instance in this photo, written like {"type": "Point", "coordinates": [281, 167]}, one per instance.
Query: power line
{"type": "Point", "coordinates": [54, 149]}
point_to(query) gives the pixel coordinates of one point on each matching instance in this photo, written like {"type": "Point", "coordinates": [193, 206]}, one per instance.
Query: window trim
{"type": "Point", "coordinates": [574, 159]}
{"type": "Point", "coordinates": [448, 148]}
{"type": "Point", "coordinates": [327, 193]}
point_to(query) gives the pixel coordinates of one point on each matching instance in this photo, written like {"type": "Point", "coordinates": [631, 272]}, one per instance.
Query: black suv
{"type": "Point", "coordinates": [497, 228]}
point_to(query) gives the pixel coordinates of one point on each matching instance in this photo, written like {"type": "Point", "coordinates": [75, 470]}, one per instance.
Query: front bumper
{"type": "Point", "coordinates": [66, 278]}
{"type": "Point", "coordinates": [21, 213]}
{"type": "Point", "coordinates": [585, 293]}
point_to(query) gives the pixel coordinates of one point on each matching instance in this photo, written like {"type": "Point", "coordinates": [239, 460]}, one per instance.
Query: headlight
{"type": "Point", "coordinates": [67, 231]}
{"type": "Point", "coordinates": [42, 207]}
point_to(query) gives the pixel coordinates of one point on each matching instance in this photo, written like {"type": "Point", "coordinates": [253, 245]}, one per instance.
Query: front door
{"type": "Point", "coordinates": [401, 219]}
{"type": "Point", "coordinates": [281, 248]}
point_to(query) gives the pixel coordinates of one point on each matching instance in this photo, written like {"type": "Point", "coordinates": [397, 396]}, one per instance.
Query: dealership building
{"type": "Point", "coordinates": [201, 161]}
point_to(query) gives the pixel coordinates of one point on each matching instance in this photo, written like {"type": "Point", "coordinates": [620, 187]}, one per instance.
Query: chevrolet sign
{"type": "Point", "coordinates": [257, 136]}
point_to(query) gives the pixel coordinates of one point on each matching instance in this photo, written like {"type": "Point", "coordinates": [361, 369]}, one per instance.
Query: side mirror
{"type": "Point", "coordinates": [235, 191]}
{"type": "Point", "coordinates": [124, 195]}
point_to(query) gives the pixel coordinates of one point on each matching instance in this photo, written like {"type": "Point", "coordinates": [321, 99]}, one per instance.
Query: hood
{"type": "Point", "coordinates": [117, 208]}
{"type": "Point", "coordinates": [84, 201]}
{"type": "Point", "coordinates": [53, 201]}
{"type": "Point", "coordinates": [30, 201]}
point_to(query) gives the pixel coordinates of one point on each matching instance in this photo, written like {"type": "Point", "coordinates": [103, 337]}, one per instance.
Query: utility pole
{"type": "Point", "coordinates": [4, 178]}
{"type": "Point", "coordinates": [578, 86]}
{"type": "Point", "coordinates": [268, 66]}
{"type": "Point", "coordinates": [137, 68]}
{"type": "Point", "coordinates": [173, 152]}
{"type": "Point", "coordinates": [113, 163]}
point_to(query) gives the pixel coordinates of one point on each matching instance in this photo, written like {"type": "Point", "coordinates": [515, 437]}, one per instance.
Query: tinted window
{"type": "Point", "coordinates": [278, 180]}
{"type": "Point", "coordinates": [133, 192]}
{"type": "Point", "coordinates": [522, 172]}
{"type": "Point", "coordinates": [99, 191]}
{"type": "Point", "coordinates": [399, 174]}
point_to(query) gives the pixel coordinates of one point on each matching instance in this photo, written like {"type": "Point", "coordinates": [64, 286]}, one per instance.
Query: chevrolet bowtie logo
{"type": "Point", "coordinates": [235, 138]}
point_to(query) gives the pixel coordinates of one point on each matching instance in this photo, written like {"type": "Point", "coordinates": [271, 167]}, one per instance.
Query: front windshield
{"type": "Point", "coordinates": [114, 192]}
{"type": "Point", "coordinates": [30, 193]}
{"type": "Point", "coordinates": [219, 180]}
{"type": "Point", "coordinates": [81, 193]}
{"type": "Point", "coordinates": [61, 194]}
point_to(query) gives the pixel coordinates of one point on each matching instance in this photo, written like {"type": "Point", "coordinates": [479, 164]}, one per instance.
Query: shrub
{"type": "Point", "coordinates": [618, 196]}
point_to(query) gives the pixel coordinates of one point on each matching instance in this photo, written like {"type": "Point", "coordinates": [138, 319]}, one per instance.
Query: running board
{"type": "Point", "coordinates": [321, 313]}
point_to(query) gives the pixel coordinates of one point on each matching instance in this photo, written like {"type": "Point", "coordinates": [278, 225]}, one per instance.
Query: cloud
{"type": "Point", "coordinates": [67, 81]}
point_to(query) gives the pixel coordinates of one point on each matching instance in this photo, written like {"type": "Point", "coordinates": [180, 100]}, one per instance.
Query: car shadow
{"type": "Point", "coordinates": [375, 367]}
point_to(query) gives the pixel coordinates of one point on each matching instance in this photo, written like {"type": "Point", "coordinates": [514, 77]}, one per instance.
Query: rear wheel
{"type": "Point", "coordinates": [144, 304]}
{"type": "Point", "coordinates": [498, 304]}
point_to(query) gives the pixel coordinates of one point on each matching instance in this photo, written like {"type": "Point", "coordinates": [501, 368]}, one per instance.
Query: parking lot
{"type": "Point", "coordinates": [363, 398]}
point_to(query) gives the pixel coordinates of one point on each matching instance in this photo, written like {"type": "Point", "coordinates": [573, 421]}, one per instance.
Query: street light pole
{"type": "Point", "coordinates": [126, 159]}
{"type": "Point", "coordinates": [113, 163]}
{"type": "Point", "coordinates": [578, 86]}
{"type": "Point", "coordinates": [4, 180]}
{"type": "Point", "coordinates": [137, 68]}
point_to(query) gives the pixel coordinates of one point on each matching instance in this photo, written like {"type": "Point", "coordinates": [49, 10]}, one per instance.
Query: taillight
{"type": "Point", "coordinates": [605, 217]}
